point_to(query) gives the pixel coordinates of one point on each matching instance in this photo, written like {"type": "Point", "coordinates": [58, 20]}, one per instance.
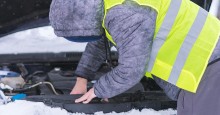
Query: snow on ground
{"type": "Point", "coordinates": [38, 108]}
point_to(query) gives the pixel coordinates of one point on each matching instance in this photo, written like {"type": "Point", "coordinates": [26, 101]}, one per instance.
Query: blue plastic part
{"type": "Point", "coordinates": [8, 74]}
{"type": "Point", "coordinates": [18, 97]}
{"type": "Point", "coordinates": [83, 38]}
{"type": "Point", "coordinates": [13, 74]}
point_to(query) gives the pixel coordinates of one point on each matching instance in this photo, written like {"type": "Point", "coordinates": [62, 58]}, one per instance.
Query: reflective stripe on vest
{"type": "Point", "coordinates": [161, 36]}
{"type": "Point", "coordinates": [185, 37]}
{"type": "Point", "coordinates": [182, 62]}
{"type": "Point", "coordinates": [186, 47]}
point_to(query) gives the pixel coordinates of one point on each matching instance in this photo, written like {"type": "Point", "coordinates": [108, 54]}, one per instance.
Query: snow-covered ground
{"type": "Point", "coordinates": [38, 108]}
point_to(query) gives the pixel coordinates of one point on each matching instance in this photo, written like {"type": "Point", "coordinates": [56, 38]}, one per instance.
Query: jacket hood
{"type": "Point", "coordinates": [71, 18]}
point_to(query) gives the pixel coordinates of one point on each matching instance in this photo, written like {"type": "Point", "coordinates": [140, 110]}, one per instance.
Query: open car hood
{"type": "Point", "coordinates": [18, 15]}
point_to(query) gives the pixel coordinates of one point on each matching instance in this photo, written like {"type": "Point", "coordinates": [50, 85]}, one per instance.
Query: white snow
{"type": "Point", "coordinates": [38, 108]}
{"type": "Point", "coordinates": [37, 40]}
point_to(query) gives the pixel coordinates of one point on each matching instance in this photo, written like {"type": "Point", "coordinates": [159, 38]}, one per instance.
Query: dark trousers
{"type": "Point", "coordinates": [206, 101]}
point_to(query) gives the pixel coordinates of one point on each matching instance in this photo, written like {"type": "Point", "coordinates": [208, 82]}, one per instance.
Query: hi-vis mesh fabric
{"type": "Point", "coordinates": [185, 37]}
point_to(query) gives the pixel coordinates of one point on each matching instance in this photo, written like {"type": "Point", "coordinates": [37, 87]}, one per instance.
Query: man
{"type": "Point", "coordinates": [171, 40]}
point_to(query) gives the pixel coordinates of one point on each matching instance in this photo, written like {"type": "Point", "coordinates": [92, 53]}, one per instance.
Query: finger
{"type": "Point", "coordinates": [88, 100]}
{"type": "Point", "coordinates": [105, 99]}
{"type": "Point", "coordinates": [83, 98]}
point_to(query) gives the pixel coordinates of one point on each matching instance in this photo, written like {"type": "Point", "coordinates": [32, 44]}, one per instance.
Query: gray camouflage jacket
{"type": "Point", "coordinates": [132, 28]}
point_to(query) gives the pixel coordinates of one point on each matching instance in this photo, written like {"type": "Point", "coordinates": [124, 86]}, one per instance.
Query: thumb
{"type": "Point", "coordinates": [83, 98]}
{"type": "Point", "coordinates": [88, 99]}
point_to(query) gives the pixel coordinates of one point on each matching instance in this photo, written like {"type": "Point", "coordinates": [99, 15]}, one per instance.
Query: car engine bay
{"type": "Point", "coordinates": [51, 82]}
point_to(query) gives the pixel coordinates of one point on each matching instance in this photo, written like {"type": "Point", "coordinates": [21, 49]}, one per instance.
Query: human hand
{"type": "Point", "coordinates": [87, 97]}
{"type": "Point", "coordinates": [80, 86]}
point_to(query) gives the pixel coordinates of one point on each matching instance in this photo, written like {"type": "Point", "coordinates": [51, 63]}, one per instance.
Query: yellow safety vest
{"type": "Point", "coordinates": [184, 39]}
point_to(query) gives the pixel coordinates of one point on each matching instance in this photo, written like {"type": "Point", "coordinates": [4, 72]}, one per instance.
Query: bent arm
{"type": "Point", "coordinates": [132, 28]}
{"type": "Point", "coordinates": [91, 60]}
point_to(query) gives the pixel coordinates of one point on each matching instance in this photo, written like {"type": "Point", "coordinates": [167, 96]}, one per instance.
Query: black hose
{"type": "Point", "coordinates": [207, 4]}
{"type": "Point", "coordinates": [108, 52]}
{"type": "Point", "coordinates": [31, 75]}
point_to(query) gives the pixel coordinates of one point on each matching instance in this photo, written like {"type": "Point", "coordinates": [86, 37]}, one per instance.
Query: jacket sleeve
{"type": "Point", "coordinates": [132, 28]}
{"type": "Point", "coordinates": [91, 60]}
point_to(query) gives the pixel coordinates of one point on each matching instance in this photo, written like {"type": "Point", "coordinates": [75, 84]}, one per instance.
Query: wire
{"type": "Point", "coordinates": [108, 52]}
{"type": "Point", "coordinates": [48, 83]}
{"type": "Point", "coordinates": [37, 84]}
